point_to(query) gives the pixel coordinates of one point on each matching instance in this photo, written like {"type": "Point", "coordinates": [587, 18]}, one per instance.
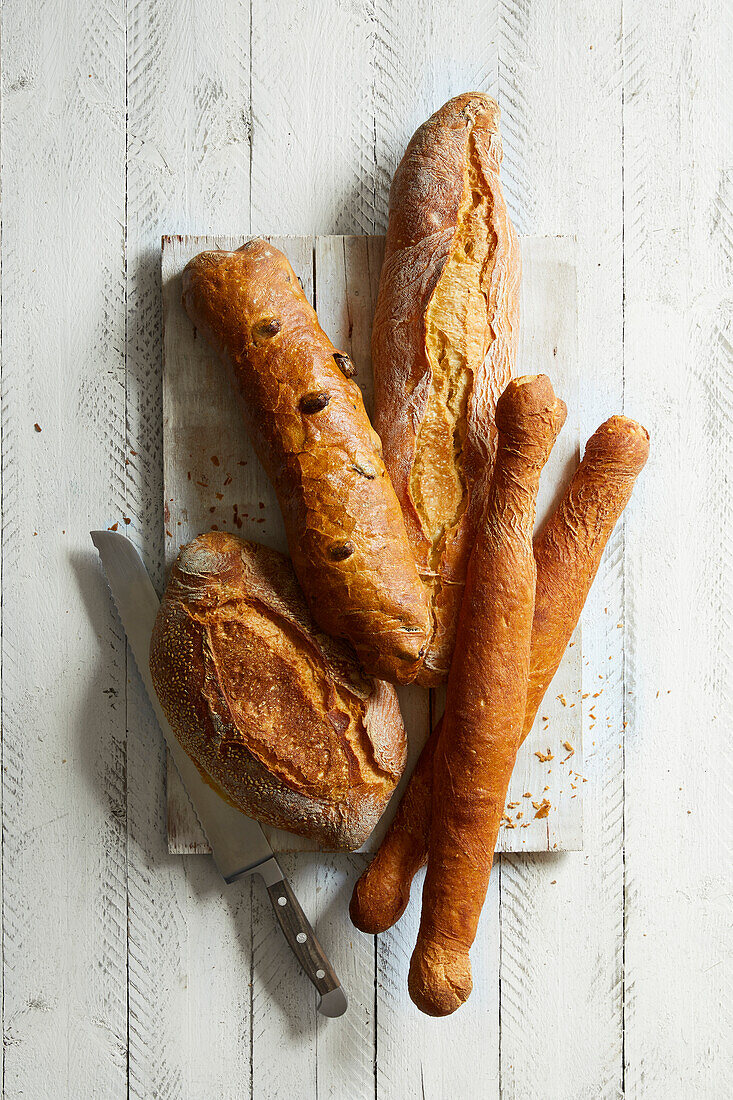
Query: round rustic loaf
{"type": "Point", "coordinates": [276, 715]}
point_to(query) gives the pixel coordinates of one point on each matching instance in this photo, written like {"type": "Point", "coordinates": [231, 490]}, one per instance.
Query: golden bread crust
{"type": "Point", "coordinates": [485, 703]}
{"type": "Point", "coordinates": [567, 551]}
{"type": "Point", "coordinates": [444, 344]}
{"type": "Point", "coordinates": [275, 714]}
{"type": "Point", "coordinates": [309, 427]}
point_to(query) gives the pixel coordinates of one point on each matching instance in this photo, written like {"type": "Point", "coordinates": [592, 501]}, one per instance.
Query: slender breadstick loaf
{"type": "Point", "coordinates": [307, 421]}
{"type": "Point", "coordinates": [487, 691]}
{"type": "Point", "coordinates": [568, 552]}
{"type": "Point", "coordinates": [444, 344]}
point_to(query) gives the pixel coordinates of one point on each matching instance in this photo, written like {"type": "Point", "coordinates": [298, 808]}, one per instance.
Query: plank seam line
{"type": "Point", "coordinates": [623, 567]}
{"type": "Point", "coordinates": [251, 988]}
{"type": "Point", "coordinates": [500, 922]}
{"type": "Point", "coordinates": [128, 447]}
{"type": "Point", "coordinates": [251, 117]}
{"type": "Point", "coordinates": [2, 647]}
{"type": "Point", "coordinates": [376, 1009]}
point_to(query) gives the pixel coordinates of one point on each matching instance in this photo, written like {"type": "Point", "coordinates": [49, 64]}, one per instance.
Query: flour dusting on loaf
{"type": "Point", "coordinates": [276, 715]}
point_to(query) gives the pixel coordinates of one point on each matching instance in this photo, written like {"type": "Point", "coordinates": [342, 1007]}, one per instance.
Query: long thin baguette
{"type": "Point", "coordinates": [568, 552]}
{"type": "Point", "coordinates": [487, 692]}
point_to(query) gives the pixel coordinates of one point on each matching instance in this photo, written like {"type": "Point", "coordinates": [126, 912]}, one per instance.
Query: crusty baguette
{"type": "Point", "coordinates": [308, 425]}
{"type": "Point", "coordinates": [276, 715]}
{"type": "Point", "coordinates": [568, 552]}
{"type": "Point", "coordinates": [487, 691]}
{"type": "Point", "coordinates": [444, 344]}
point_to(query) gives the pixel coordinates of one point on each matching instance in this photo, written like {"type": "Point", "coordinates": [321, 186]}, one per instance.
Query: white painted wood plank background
{"type": "Point", "coordinates": [125, 970]}
{"type": "Point", "coordinates": [212, 478]}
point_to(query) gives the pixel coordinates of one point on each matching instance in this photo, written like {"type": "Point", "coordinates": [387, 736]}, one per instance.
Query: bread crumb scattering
{"type": "Point", "coordinates": [563, 700]}
{"type": "Point", "coordinates": [543, 757]}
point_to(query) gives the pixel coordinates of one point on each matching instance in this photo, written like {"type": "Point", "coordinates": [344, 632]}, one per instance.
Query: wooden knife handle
{"type": "Point", "coordinates": [304, 943]}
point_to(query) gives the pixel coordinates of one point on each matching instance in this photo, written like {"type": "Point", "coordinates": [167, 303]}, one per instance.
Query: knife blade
{"type": "Point", "coordinates": [238, 843]}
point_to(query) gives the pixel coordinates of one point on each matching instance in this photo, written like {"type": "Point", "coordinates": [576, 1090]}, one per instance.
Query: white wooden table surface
{"type": "Point", "coordinates": [125, 969]}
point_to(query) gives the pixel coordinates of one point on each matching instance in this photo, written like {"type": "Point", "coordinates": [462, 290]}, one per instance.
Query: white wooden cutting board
{"type": "Point", "coordinates": [213, 478]}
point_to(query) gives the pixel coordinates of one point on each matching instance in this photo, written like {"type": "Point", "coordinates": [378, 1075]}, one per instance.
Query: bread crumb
{"type": "Point", "coordinates": [568, 747]}
{"type": "Point", "coordinates": [554, 882]}
{"type": "Point", "coordinates": [528, 794]}
{"type": "Point", "coordinates": [215, 460]}
{"type": "Point", "coordinates": [562, 699]}
{"type": "Point", "coordinates": [113, 527]}
{"type": "Point", "coordinates": [542, 808]}
{"type": "Point", "coordinates": [544, 756]}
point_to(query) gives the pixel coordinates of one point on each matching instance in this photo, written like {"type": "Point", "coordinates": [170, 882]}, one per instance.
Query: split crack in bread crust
{"type": "Point", "coordinates": [444, 345]}
{"type": "Point", "coordinates": [485, 703]}
{"type": "Point", "coordinates": [308, 425]}
{"type": "Point", "coordinates": [568, 552]}
{"type": "Point", "coordinates": [277, 716]}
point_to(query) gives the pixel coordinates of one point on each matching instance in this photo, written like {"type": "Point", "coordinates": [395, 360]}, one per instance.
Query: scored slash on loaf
{"type": "Point", "coordinates": [444, 346]}
{"type": "Point", "coordinates": [277, 716]}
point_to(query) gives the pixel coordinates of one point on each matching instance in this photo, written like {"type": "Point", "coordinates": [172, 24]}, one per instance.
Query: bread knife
{"type": "Point", "coordinates": [239, 845]}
